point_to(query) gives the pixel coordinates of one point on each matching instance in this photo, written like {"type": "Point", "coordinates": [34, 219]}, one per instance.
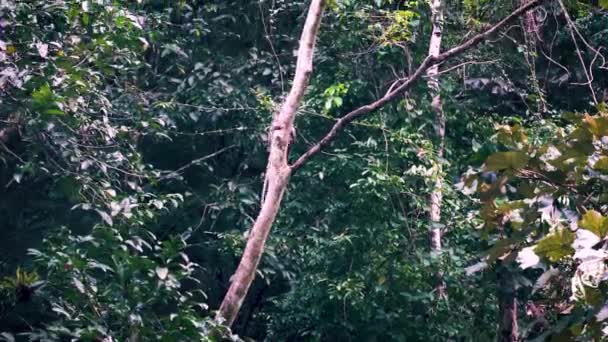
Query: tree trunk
{"type": "Point", "coordinates": [277, 172]}
{"type": "Point", "coordinates": [507, 307]}
{"type": "Point", "coordinates": [433, 84]}
{"type": "Point", "coordinates": [531, 34]}
{"type": "Point", "coordinates": [278, 169]}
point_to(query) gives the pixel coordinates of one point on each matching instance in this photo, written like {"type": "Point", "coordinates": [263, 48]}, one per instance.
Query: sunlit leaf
{"type": "Point", "coordinates": [601, 164]}
{"type": "Point", "coordinates": [594, 222]}
{"type": "Point", "coordinates": [162, 272]}
{"type": "Point", "coordinates": [556, 246]}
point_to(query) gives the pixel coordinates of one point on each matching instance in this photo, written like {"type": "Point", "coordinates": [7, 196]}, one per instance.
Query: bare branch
{"type": "Point", "coordinates": [196, 162]}
{"type": "Point", "coordinates": [460, 65]}
{"type": "Point", "coordinates": [571, 29]}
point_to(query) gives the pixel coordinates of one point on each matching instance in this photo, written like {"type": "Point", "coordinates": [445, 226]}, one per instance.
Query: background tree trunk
{"type": "Point", "coordinates": [439, 125]}
{"type": "Point", "coordinates": [507, 307]}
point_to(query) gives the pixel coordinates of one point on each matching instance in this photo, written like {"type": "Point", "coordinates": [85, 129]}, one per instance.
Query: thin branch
{"type": "Point", "coordinates": [420, 71]}
{"type": "Point", "coordinates": [11, 152]}
{"type": "Point", "coordinates": [537, 176]}
{"type": "Point", "coordinates": [274, 53]}
{"type": "Point", "coordinates": [196, 162]}
{"type": "Point", "coordinates": [215, 131]}
{"type": "Point", "coordinates": [203, 108]}
{"type": "Point", "coordinates": [458, 66]}
{"type": "Point", "coordinates": [572, 29]}
{"type": "Point", "coordinates": [555, 62]}
{"type": "Point", "coordinates": [328, 117]}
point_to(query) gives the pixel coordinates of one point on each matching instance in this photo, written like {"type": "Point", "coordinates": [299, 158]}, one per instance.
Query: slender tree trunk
{"type": "Point", "coordinates": [507, 307]}
{"type": "Point", "coordinates": [531, 34]}
{"type": "Point", "coordinates": [433, 84]}
{"type": "Point", "coordinates": [277, 172]}
{"type": "Point", "coordinates": [278, 169]}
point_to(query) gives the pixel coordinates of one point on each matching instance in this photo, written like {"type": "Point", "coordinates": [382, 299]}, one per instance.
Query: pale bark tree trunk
{"type": "Point", "coordinates": [439, 125]}
{"type": "Point", "coordinates": [278, 169]}
{"type": "Point", "coordinates": [277, 172]}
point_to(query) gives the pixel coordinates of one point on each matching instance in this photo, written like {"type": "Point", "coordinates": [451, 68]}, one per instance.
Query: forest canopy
{"type": "Point", "coordinates": [319, 170]}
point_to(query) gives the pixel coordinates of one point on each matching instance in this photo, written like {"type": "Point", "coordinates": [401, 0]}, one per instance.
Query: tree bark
{"type": "Point", "coordinates": [439, 125]}
{"type": "Point", "coordinates": [278, 169]}
{"type": "Point", "coordinates": [507, 307]}
{"type": "Point", "coordinates": [277, 172]}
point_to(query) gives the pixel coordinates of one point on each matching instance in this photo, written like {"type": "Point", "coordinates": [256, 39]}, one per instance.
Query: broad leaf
{"type": "Point", "coordinates": [556, 246]}
{"type": "Point", "coordinates": [601, 165]}
{"type": "Point", "coordinates": [594, 222]}
{"type": "Point", "coordinates": [506, 160]}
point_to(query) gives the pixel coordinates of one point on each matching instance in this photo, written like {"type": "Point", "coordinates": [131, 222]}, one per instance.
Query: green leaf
{"type": "Point", "coordinates": [598, 125]}
{"type": "Point", "coordinates": [603, 4]}
{"type": "Point", "coordinates": [556, 246]}
{"type": "Point", "coordinates": [601, 164]}
{"type": "Point", "coordinates": [512, 136]}
{"type": "Point", "coordinates": [45, 101]}
{"type": "Point", "coordinates": [54, 111]}
{"type": "Point", "coordinates": [506, 160]}
{"type": "Point", "coordinates": [43, 96]}
{"type": "Point", "coordinates": [337, 101]}
{"type": "Point", "coordinates": [595, 223]}
{"type": "Point", "coordinates": [499, 249]}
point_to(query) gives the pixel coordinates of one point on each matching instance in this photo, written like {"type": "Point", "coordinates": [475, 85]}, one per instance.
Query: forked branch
{"type": "Point", "coordinates": [407, 84]}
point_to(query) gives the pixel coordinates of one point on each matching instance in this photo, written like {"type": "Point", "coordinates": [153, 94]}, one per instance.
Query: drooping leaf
{"type": "Point", "coordinates": [105, 217]}
{"type": "Point", "coordinates": [162, 272]}
{"type": "Point", "coordinates": [527, 258]}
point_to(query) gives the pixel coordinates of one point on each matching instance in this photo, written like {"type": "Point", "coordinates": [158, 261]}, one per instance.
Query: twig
{"type": "Point", "coordinates": [11, 152]}
{"type": "Point", "coordinates": [203, 108]}
{"type": "Point", "coordinates": [216, 131]}
{"type": "Point", "coordinates": [571, 29]}
{"type": "Point", "coordinates": [534, 175]}
{"type": "Point", "coordinates": [457, 66]}
{"type": "Point", "coordinates": [274, 53]}
{"type": "Point", "coordinates": [555, 62]}
{"type": "Point", "coordinates": [195, 162]}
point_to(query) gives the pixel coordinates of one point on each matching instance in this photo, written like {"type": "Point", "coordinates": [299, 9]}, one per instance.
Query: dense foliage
{"type": "Point", "coordinates": [133, 147]}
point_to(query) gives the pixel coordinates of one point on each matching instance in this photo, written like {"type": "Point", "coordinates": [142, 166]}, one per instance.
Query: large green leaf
{"type": "Point", "coordinates": [601, 165]}
{"type": "Point", "coordinates": [556, 246]}
{"type": "Point", "coordinates": [506, 160]}
{"type": "Point", "coordinates": [598, 125]}
{"type": "Point", "coordinates": [595, 223]}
